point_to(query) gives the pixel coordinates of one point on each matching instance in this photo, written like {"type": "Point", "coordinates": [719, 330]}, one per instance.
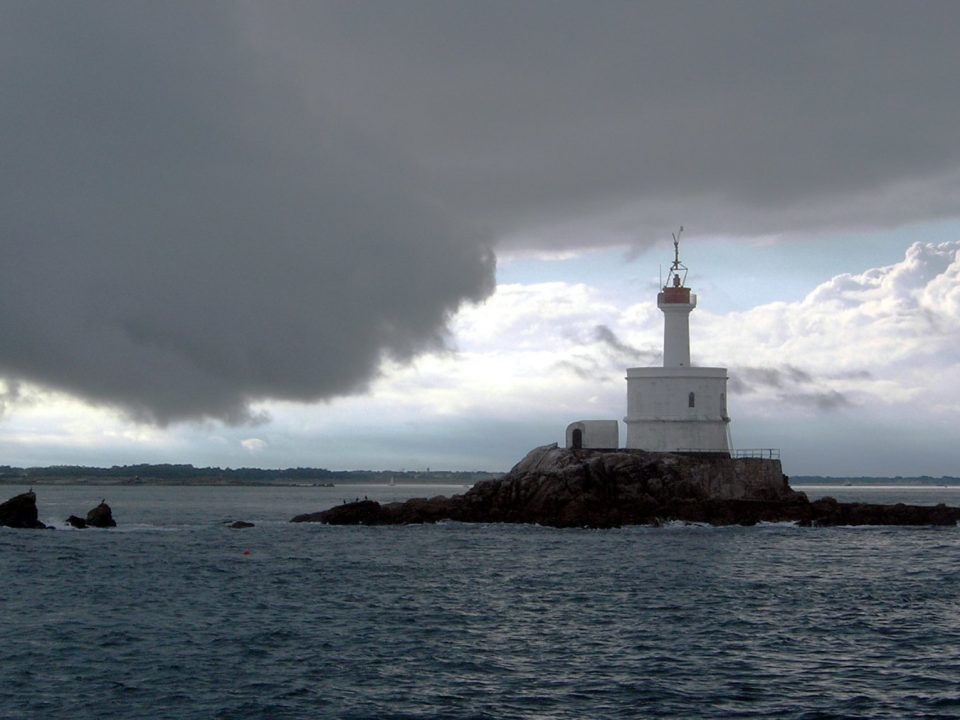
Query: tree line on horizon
{"type": "Point", "coordinates": [171, 471]}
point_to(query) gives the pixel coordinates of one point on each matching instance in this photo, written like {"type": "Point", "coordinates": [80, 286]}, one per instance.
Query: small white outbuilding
{"type": "Point", "coordinates": [594, 434]}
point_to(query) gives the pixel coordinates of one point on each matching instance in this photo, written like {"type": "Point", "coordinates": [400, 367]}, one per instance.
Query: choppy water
{"type": "Point", "coordinates": [167, 617]}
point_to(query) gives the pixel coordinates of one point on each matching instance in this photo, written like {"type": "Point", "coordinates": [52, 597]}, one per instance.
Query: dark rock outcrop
{"type": "Point", "coordinates": [827, 511]}
{"type": "Point", "coordinates": [362, 512]}
{"type": "Point", "coordinates": [20, 511]}
{"type": "Point", "coordinates": [99, 517]}
{"type": "Point", "coordinates": [601, 488]}
{"type": "Point", "coordinates": [240, 524]}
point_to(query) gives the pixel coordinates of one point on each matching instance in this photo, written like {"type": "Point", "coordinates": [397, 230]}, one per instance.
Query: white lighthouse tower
{"type": "Point", "coordinates": [677, 407]}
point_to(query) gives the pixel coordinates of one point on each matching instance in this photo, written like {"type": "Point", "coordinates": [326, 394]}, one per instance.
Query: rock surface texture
{"type": "Point", "coordinates": [596, 488]}
{"type": "Point", "coordinates": [20, 511]}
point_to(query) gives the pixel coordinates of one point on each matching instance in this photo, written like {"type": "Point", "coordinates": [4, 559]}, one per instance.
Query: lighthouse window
{"type": "Point", "coordinates": [690, 400]}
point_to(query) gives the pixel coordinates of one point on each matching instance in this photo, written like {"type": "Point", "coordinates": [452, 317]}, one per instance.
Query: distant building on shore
{"type": "Point", "coordinates": [677, 407]}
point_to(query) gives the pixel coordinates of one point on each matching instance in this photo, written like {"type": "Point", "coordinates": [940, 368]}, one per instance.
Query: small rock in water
{"type": "Point", "coordinates": [360, 512]}
{"type": "Point", "coordinates": [240, 524]}
{"type": "Point", "coordinates": [101, 516]}
{"type": "Point", "coordinates": [77, 522]}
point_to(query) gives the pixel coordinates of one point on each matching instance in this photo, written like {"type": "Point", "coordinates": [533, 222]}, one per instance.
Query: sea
{"type": "Point", "coordinates": [175, 615]}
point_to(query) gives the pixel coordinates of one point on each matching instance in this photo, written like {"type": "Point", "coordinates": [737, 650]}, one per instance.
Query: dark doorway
{"type": "Point", "coordinates": [577, 439]}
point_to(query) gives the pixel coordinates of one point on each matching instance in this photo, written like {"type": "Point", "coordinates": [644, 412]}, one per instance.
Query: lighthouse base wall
{"type": "Point", "coordinates": [677, 408]}
{"type": "Point", "coordinates": [677, 435]}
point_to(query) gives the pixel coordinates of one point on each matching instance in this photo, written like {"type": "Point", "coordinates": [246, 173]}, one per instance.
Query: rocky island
{"type": "Point", "coordinates": [99, 517]}
{"type": "Point", "coordinates": [20, 511]}
{"type": "Point", "coordinates": [569, 487]}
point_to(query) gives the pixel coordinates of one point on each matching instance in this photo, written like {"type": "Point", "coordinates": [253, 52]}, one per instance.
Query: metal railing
{"type": "Point", "coordinates": [765, 453]}
{"type": "Point", "coordinates": [768, 453]}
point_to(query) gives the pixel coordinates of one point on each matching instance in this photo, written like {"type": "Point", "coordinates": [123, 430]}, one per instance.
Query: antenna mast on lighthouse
{"type": "Point", "coordinates": [676, 301]}
{"type": "Point", "coordinates": [677, 266]}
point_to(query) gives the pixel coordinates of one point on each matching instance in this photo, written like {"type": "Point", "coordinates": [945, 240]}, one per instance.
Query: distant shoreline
{"type": "Point", "coordinates": [158, 482]}
{"type": "Point", "coordinates": [898, 481]}
{"type": "Point", "coordinates": [185, 475]}
{"type": "Point", "coordinates": [102, 482]}
{"type": "Point", "coordinates": [360, 479]}
{"type": "Point", "coordinates": [188, 475]}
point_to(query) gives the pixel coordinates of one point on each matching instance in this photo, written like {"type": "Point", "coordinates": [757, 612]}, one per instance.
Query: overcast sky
{"type": "Point", "coordinates": [411, 234]}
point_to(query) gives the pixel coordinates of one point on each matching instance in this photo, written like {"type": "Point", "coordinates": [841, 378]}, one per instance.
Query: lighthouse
{"type": "Point", "coordinates": [676, 302]}
{"type": "Point", "coordinates": [677, 407]}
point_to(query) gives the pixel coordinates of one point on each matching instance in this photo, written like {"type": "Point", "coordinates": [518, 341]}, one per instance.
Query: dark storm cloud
{"type": "Point", "coordinates": [627, 117]}
{"type": "Point", "coordinates": [614, 354]}
{"type": "Point", "coordinates": [744, 380]}
{"type": "Point", "coordinates": [823, 401]}
{"type": "Point", "coordinates": [583, 367]}
{"type": "Point", "coordinates": [204, 204]}
{"type": "Point", "coordinates": [182, 235]}
{"type": "Point", "coordinates": [747, 379]}
{"type": "Point", "coordinates": [794, 385]}
{"type": "Point", "coordinates": [621, 352]}
{"type": "Point", "coordinates": [605, 335]}
{"type": "Point", "coordinates": [10, 395]}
